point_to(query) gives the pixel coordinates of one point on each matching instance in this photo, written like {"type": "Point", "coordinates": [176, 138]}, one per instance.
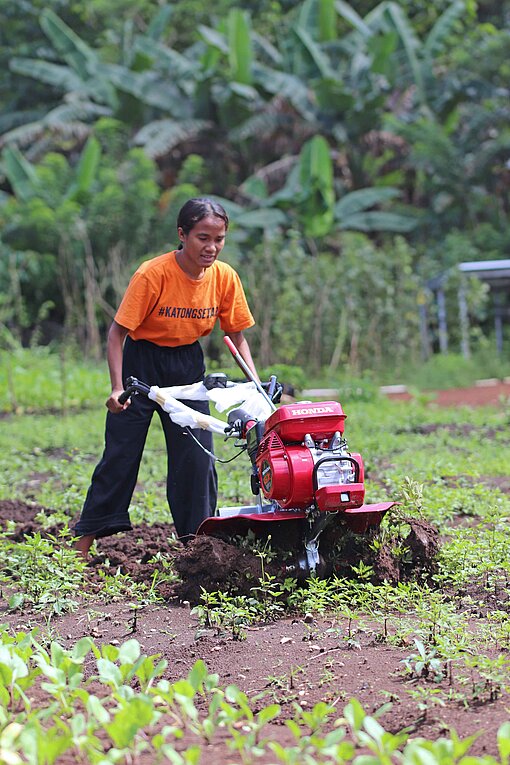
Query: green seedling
{"type": "Point", "coordinates": [17, 675]}
{"type": "Point", "coordinates": [424, 663]}
{"type": "Point", "coordinates": [368, 733]}
{"type": "Point", "coordinates": [426, 698]}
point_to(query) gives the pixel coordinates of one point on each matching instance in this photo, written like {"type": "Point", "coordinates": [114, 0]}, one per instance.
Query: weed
{"type": "Point", "coordinates": [46, 571]}
{"type": "Point", "coordinates": [426, 698]}
{"type": "Point", "coordinates": [424, 663]}
{"type": "Point", "coordinates": [492, 676]}
{"type": "Point", "coordinates": [226, 612]}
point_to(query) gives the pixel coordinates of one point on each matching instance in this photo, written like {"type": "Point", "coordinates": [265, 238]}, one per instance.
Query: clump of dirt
{"type": "Point", "coordinates": [24, 517]}
{"type": "Point", "coordinates": [212, 564]}
{"type": "Point", "coordinates": [132, 550]}
{"type": "Point", "coordinates": [422, 543]}
{"type": "Point", "coordinates": [345, 550]}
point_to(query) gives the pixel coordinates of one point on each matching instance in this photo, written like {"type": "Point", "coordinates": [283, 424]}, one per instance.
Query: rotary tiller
{"type": "Point", "coordinates": [303, 475]}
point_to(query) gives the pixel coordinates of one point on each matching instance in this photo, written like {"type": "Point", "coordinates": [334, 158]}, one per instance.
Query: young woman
{"type": "Point", "coordinates": [171, 301]}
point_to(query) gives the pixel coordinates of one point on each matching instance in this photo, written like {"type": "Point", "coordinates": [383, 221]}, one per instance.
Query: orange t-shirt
{"type": "Point", "coordinates": [164, 305]}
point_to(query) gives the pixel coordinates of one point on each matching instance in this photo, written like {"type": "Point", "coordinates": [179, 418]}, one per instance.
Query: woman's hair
{"type": "Point", "coordinates": [195, 209]}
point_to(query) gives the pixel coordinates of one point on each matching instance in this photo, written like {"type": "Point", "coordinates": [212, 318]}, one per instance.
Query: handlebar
{"type": "Point", "coordinates": [217, 380]}
{"type": "Point", "coordinates": [133, 386]}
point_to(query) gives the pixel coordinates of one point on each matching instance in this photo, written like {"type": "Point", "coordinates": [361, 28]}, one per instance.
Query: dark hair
{"type": "Point", "coordinates": [195, 209]}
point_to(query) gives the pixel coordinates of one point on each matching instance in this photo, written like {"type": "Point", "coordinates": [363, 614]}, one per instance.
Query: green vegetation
{"type": "Point", "coordinates": [360, 151]}
{"type": "Point", "coordinates": [127, 719]}
{"type": "Point", "coordinates": [47, 459]}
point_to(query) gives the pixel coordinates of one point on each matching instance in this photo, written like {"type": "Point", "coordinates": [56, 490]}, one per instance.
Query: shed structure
{"type": "Point", "coordinates": [496, 274]}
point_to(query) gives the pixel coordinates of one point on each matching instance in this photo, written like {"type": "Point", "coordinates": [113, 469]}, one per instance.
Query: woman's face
{"type": "Point", "coordinates": [203, 244]}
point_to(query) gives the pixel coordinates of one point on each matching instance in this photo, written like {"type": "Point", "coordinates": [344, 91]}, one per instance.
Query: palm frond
{"type": "Point", "coordinates": [273, 175]}
{"type": "Point", "coordinates": [354, 19]}
{"type": "Point", "coordinates": [57, 75]}
{"type": "Point", "coordinates": [410, 44]}
{"type": "Point", "coordinates": [67, 120]}
{"type": "Point", "coordinates": [319, 58]}
{"type": "Point", "coordinates": [148, 87]}
{"type": "Point", "coordinates": [362, 199]}
{"type": "Point", "coordinates": [442, 28]}
{"type": "Point", "coordinates": [378, 221]}
{"type": "Point", "coordinates": [71, 47]}
{"type": "Point", "coordinates": [261, 45]}
{"type": "Point", "coordinates": [176, 64]}
{"type": "Point", "coordinates": [159, 136]}
{"type": "Point", "coordinates": [287, 86]}
{"type": "Point", "coordinates": [261, 125]}
{"type": "Point", "coordinates": [21, 174]}
{"type": "Point", "coordinates": [11, 120]}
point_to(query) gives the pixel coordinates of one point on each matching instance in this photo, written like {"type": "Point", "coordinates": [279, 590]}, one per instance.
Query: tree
{"type": "Point", "coordinates": [77, 227]}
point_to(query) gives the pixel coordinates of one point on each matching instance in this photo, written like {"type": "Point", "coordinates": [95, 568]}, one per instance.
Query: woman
{"type": "Point", "coordinates": [171, 301]}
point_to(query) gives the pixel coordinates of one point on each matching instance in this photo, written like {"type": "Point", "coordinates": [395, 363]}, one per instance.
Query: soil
{"type": "Point", "coordinates": [294, 659]}
{"type": "Point", "coordinates": [490, 393]}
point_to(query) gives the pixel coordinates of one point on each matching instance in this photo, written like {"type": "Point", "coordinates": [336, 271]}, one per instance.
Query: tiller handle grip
{"type": "Point", "coordinates": [133, 386]}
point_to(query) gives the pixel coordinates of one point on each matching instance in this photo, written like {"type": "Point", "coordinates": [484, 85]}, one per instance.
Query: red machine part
{"type": "Point", "coordinates": [285, 472]}
{"type": "Point", "coordinates": [357, 519]}
{"type": "Point", "coordinates": [288, 471]}
{"type": "Point", "coordinates": [343, 496]}
{"type": "Point", "coordinates": [293, 421]}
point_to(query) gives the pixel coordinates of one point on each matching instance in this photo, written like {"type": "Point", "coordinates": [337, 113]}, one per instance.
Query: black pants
{"type": "Point", "coordinates": [191, 477]}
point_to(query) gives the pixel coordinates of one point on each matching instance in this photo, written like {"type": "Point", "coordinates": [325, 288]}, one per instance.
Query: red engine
{"type": "Point", "coordinates": [303, 460]}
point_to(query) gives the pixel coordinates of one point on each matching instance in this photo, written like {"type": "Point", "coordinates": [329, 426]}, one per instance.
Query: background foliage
{"type": "Point", "coordinates": [360, 149]}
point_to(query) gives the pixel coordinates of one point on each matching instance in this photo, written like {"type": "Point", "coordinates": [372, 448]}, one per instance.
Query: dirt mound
{"type": "Point", "coordinates": [133, 550]}
{"type": "Point", "coordinates": [213, 564]}
{"type": "Point", "coordinates": [23, 515]}
{"type": "Point", "coordinates": [344, 551]}
{"type": "Point", "coordinates": [421, 543]}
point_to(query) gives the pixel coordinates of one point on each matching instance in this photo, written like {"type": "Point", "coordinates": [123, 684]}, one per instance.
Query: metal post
{"type": "Point", "coordinates": [424, 332]}
{"type": "Point", "coordinates": [441, 316]}
{"type": "Point", "coordinates": [498, 321]}
{"type": "Point", "coordinates": [464, 322]}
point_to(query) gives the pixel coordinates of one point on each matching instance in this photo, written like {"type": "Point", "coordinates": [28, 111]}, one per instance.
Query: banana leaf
{"type": "Point", "coordinates": [378, 221]}
{"type": "Point", "coordinates": [72, 48]}
{"type": "Point", "coordinates": [361, 200]}
{"type": "Point", "coordinates": [240, 53]}
{"type": "Point", "coordinates": [20, 173]}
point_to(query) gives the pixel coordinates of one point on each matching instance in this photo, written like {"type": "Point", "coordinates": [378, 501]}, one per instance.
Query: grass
{"type": "Point", "coordinates": [453, 464]}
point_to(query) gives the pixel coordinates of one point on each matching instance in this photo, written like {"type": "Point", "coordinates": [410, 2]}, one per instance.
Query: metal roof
{"type": "Point", "coordinates": [496, 272]}
{"type": "Point", "coordinates": [492, 268]}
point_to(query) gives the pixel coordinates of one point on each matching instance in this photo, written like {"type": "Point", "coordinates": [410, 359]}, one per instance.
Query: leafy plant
{"type": "Point", "coordinates": [47, 571]}
{"type": "Point", "coordinates": [424, 663]}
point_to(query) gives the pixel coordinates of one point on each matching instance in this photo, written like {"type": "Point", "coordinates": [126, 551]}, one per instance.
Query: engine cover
{"type": "Point", "coordinates": [293, 421]}
{"type": "Point", "coordinates": [297, 475]}
{"type": "Point", "coordinates": [285, 472]}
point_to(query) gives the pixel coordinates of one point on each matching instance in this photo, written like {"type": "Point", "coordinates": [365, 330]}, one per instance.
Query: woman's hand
{"type": "Point", "coordinates": [112, 402]}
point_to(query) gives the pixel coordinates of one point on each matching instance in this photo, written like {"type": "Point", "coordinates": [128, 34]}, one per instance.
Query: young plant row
{"type": "Point", "coordinates": [111, 704]}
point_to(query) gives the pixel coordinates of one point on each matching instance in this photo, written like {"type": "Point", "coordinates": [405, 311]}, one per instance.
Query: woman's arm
{"type": "Point", "coordinates": [242, 346]}
{"type": "Point", "coordinates": [116, 336]}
